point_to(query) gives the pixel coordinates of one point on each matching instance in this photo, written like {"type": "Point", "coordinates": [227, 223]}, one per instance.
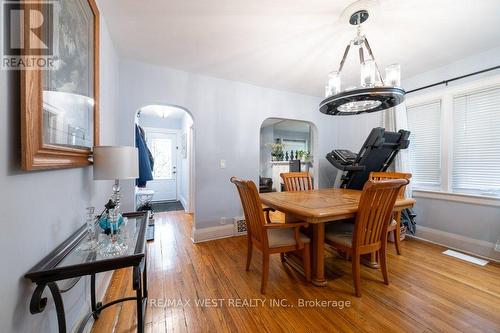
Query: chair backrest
{"type": "Point", "coordinates": [391, 175]}
{"type": "Point", "coordinates": [375, 208]}
{"type": "Point", "coordinates": [252, 207]}
{"type": "Point", "coordinates": [297, 181]}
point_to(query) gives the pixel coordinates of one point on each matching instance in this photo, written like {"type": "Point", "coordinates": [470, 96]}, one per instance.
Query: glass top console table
{"type": "Point", "coordinates": [67, 262]}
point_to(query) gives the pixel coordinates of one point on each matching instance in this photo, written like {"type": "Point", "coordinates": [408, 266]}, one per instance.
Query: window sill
{"type": "Point", "coordinates": [456, 197]}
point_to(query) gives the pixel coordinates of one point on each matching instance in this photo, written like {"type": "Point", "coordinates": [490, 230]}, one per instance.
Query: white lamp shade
{"type": "Point", "coordinates": [114, 162]}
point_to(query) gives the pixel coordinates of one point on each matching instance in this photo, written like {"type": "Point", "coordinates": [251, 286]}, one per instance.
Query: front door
{"type": "Point", "coordinates": [163, 146]}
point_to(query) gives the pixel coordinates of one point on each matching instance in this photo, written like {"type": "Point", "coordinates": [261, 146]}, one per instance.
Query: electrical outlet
{"type": "Point", "coordinates": [222, 220]}
{"type": "Point", "coordinates": [497, 245]}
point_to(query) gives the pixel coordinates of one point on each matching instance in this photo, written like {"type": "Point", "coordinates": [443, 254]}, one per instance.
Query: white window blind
{"type": "Point", "coordinates": [476, 142]}
{"type": "Point", "coordinates": [424, 123]}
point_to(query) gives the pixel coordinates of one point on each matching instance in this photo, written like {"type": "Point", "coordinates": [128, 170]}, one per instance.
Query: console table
{"type": "Point", "coordinates": [66, 262]}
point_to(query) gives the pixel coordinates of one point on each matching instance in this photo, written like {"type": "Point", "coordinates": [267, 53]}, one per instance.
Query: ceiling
{"type": "Point", "coordinates": [293, 44]}
{"type": "Point", "coordinates": [163, 110]}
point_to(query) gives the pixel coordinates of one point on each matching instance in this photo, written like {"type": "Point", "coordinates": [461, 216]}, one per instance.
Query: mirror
{"type": "Point", "coordinates": [60, 103]}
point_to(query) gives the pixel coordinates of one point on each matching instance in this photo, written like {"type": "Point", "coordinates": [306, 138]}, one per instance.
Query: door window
{"type": "Point", "coordinates": [162, 154]}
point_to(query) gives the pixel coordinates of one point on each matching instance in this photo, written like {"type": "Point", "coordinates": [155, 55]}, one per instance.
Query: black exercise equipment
{"type": "Point", "coordinates": [376, 154]}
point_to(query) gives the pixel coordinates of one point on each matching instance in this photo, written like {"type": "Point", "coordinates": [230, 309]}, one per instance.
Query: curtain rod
{"type": "Point", "coordinates": [454, 79]}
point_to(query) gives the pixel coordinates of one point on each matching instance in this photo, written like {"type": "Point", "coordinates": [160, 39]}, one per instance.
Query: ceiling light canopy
{"type": "Point", "coordinates": [375, 93]}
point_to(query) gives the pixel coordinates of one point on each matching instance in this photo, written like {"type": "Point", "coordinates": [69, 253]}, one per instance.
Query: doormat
{"type": "Point", "coordinates": [167, 206]}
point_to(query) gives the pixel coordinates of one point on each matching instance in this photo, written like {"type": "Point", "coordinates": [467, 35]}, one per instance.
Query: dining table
{"type": "Point", "coordinates": [318, 207]}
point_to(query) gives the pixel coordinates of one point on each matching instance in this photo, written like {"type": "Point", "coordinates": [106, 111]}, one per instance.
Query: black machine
{"type": "Point", "coordinates": [376, 154]}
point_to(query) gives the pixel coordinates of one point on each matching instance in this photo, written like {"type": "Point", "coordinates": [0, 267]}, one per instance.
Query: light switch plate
{"type": "Point", "coordinates": [222, 164]}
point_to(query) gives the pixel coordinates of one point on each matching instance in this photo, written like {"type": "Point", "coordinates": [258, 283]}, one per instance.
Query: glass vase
{"type": "Point", "coordinates": [90, 242]}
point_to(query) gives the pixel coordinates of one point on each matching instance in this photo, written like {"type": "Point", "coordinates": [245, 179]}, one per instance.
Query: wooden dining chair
{"type": "Point", "coordinates": [269, 238]}
{"type": "Point", "coordinates": [395, 222]}
{"type": "Point", "coordinates": [368, 234]}
{"type": "Point", "coordinates": [297, 181]}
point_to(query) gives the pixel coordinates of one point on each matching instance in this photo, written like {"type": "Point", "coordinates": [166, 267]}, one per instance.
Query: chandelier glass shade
{"type": "Point", "coordinates": [375, 93]}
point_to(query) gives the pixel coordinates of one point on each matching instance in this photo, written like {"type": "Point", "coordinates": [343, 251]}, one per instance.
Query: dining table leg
{"type": "Point", "coordinates": [318, 254]}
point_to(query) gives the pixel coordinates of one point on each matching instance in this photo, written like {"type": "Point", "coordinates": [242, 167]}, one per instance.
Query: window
{"type": "Point", "coordinates": [424, 123]}
{"type": "Point", "coordinates": [161, 149]}
{"type": "Point", "coordinates": [455, 141]}
{"type": "Point", "coordinates": [476, 142]}
{"type": "Point", "coordinates": [295, 145]}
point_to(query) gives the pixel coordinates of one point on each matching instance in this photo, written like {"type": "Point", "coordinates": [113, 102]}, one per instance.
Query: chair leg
{"type": "Point", "coordinates": [397, 234]}
{"type": "Point", "coordinates": [282, 256]}
{"type": "Point", "coordinates": [306, 260]}
{"type": "Point", "coordinates": [249, 254]}
{"type": "Point", "coordinates": [265, 272]}
{"type": "Point", "coordinates": [397, 241]}
{"type": "Point", "coordinates": [383, 261]}
{"type": "Point", "coordinates": [356, 274]}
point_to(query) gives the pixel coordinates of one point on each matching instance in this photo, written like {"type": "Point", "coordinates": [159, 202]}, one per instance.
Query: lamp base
{"type": "Point", "coordinates": [113, 248]}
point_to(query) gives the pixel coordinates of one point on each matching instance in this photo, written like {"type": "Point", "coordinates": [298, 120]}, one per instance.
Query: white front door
{"type": "Point", "coordinates": [163, 146]}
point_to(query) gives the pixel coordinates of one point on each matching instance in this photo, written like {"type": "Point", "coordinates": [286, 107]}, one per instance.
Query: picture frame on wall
{"type": "Point", "coordinates": [60, 103]}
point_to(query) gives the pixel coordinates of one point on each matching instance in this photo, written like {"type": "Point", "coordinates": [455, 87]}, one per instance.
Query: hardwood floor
{"type": "Point", "coordinates": [428, 291]}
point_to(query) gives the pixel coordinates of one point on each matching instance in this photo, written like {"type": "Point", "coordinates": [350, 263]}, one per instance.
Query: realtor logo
{"type": "Point", "coordinates": [27, 34]}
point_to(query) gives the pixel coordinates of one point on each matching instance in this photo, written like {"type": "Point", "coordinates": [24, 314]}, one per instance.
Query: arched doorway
{"type": "Point", "coordinates": [281, 142]}
{"type": "Point", "coordinates": [168, 133]}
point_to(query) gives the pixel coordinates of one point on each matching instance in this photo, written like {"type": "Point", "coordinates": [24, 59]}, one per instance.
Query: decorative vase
{"type": "Point", "coordinates": [105, 223]}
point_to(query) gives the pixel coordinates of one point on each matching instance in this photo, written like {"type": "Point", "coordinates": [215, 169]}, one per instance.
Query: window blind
{"type": "Point", "coordinates": [424, 123]}
{"type": "Point", "coordinates": [476, 142]}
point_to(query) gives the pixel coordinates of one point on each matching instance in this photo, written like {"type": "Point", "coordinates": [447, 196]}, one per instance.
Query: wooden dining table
{"type": "Point", "coordinates": [317, 207]}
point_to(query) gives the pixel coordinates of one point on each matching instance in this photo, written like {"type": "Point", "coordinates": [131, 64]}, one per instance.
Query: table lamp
{"type": "Point", "coordinates": [115, 163]}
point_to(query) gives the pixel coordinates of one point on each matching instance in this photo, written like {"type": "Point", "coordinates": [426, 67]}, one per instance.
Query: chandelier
{"type": "Point", "coordinates": [375, 93]}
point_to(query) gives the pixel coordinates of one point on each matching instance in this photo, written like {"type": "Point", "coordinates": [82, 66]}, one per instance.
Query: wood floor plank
{"type": "Point", "coordinates": [428, 291]}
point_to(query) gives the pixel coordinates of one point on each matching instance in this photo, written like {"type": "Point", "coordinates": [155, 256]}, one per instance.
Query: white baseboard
{"type": "Point", "coordinates": [184, 203]}
{"type": "Point", "coordinates": [207, 234]}
{"type": "Point", "coordinates": [460, 243]}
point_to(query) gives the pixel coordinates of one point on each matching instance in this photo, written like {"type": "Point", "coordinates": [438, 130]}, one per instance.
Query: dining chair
{"type": "Point", "coordinates": [270, 238]}
{"type": "Point", "coordinates": [297, 181]}
{"type": "Point", "coordinates": [368, 234]}
{"type": "Point", "coordinates": [395, 222]}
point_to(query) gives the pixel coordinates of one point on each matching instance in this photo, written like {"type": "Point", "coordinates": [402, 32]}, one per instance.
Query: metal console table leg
{"type": "Point", "coordinates": [38, 303]}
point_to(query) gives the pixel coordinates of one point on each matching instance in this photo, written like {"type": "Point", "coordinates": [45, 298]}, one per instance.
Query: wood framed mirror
{"type": "Point", "coordinates": [60, 104]}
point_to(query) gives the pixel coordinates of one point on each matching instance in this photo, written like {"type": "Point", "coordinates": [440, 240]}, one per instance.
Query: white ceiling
{"type": "Point", "coordinates": [159, 110]}
{"type": "Point", "coordinates": [293, 44]}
